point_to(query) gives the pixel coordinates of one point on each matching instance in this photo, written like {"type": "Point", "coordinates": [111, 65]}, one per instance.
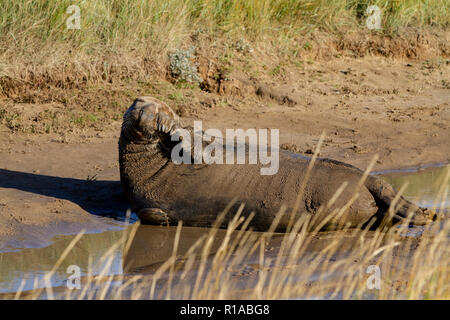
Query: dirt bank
{"type": "Point", "coordinates": [68, 179]}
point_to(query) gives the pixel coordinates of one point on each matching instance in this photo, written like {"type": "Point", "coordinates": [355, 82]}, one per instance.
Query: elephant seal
{"type": "Point", "coordinates": [162, 192]}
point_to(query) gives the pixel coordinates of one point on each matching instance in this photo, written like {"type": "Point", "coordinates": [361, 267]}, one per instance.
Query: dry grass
{"type": "Point", "coordinates": [303, 263]}
{"type": "Point", "coordinates": [410, 268]}
{"type": "Point", "coordinates": [122, 47]}
{"type": "Point", "coordinates": [126, 40]}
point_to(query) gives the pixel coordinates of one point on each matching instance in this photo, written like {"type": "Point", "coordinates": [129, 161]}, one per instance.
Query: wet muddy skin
{"type": "Point", "coordinates": [153, 245]}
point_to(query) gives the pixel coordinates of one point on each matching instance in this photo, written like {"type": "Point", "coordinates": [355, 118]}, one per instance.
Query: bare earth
{"type": "Point", "coordinates": [52, 184]}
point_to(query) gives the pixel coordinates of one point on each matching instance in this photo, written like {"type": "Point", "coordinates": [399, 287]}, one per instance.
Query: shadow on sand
{"type": "Point", "coordinates": [102, 198]}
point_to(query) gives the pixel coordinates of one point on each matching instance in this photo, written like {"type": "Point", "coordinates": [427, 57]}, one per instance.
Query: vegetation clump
{"type": "Point", "coordinates": [181, 66]}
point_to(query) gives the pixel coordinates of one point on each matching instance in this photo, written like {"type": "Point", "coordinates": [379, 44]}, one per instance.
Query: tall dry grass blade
{"type": "Point", "coordinates": [174, 254]}
{"type": "Point", "coordinates": [89, 278]}
{"type": "Point", "coordinates": [21, 286]}
{"type": "Point", "coordinates": [304, 182]}
{"type": "Point", "coordinates": [163, 268]}
{"type": "Point", "coordinates": [47, 276]}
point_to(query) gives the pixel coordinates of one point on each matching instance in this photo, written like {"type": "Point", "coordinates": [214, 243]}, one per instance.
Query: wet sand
{"type": "Point", "coordinates": [54, 184]}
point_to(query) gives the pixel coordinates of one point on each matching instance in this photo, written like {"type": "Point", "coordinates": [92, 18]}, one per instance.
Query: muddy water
{"type": "Point", "coordinates": [423, 187]}
{"type": "Point", "coordinates": [33, 263]}
{"type": "Point", "coordinates": [152, 245]}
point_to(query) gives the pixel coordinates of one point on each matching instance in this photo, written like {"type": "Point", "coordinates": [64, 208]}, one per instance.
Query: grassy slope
{"type": "Point", "coordinates": [122, 47]}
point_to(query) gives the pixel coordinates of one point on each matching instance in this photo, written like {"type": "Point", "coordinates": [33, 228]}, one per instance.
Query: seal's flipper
{"type": "Point", "coordinates": [154, 216]}
{"type": "Point", "coordinates": [384, 195]}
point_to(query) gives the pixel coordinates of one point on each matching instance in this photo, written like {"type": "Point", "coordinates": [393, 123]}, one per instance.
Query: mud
{"type": "Point", "coordinates": [60, 182]}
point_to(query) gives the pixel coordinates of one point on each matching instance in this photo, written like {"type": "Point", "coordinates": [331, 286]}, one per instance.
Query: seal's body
{"type": "Point", "coordinates": [162, 192]}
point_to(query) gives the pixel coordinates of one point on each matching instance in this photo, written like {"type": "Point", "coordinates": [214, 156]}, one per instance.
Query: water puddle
{"type": "Point", "coordinates": [33, 263]}
{"type": "Point", "coordinates": [423, 187]}
{"type": "Point", "coordinates": [153, 245]}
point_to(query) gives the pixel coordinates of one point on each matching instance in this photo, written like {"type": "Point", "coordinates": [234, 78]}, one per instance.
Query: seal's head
{"type": "Point", "coordinates": [149, 120]}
